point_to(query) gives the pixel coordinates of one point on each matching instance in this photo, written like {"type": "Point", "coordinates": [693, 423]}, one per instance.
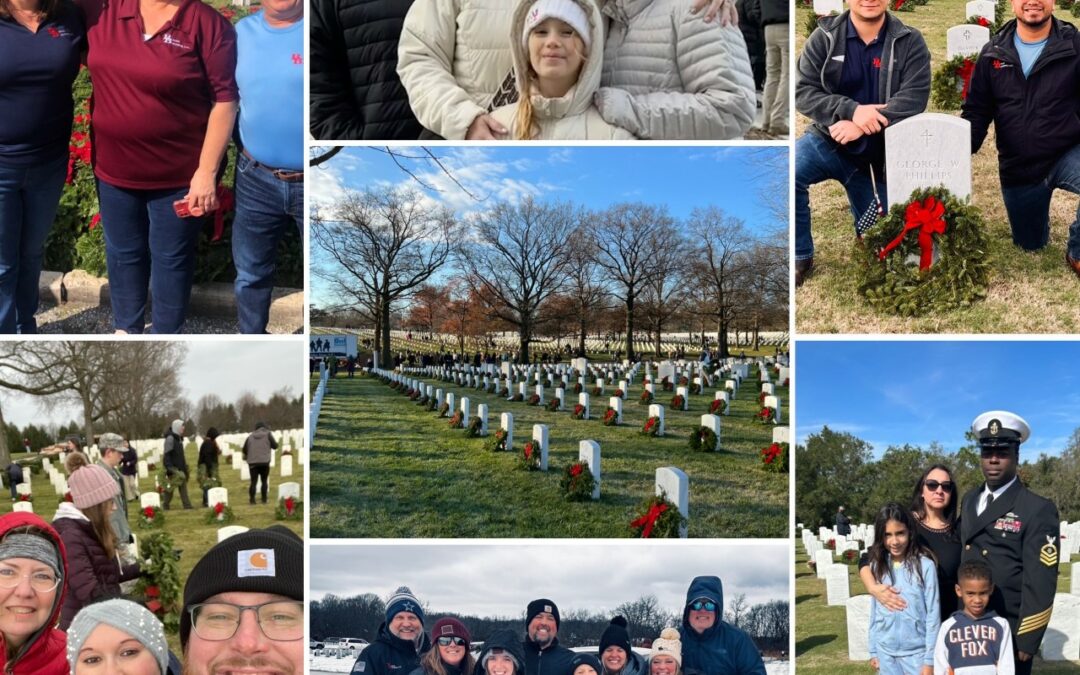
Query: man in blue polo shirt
{"type": "Point", "coordinates": [270, 168]}
{"type": "Point", "coordinates": [858, 73]}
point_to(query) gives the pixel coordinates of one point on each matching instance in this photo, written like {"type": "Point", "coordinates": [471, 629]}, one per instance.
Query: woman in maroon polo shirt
{"type": "Point", "coordinates": [164, 105]}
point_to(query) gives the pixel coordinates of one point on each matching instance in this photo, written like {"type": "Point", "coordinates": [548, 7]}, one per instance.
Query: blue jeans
{"type": "Point", "coordinates": [148, 245]}
{"type": "Point", "coordinates": [1028, 206]}
{"type": "Point", "coordinates": [29, 198]}
{"type": "Point", "coordinates": [900, 665]}
{"type": "Point", "coordinates": [265, 208]}
{"type": "Point", "coordinates": [818, 160]}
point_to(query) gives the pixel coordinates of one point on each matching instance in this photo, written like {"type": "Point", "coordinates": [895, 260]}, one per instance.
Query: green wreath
{"type": "Point", "coordinates": [657, 518]}
{"type": "Point", "coordinates": [957, 279]}
{"type": "Point", "coordinates": [219, 514]}
{"type": "Point", "coordinates": [703, 438]}
{"type": "Point", "coordinates": [948, 89]}
{"type": "Point", "coordinates": [289, 508]}
{"type": "Point", "coordinates": [578, 482]}
{"type": "Point", "coordinates": [529, 459]}
{"type": "Point", "coordinates": [497, 442]}
{"type": "Point", "coordinates": [611, 417]}
{"type": "Point", "coordinates": [476, 425]}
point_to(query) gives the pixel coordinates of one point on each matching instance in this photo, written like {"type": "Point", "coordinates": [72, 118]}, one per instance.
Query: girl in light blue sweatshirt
{"type": "Point", "coordinates": [902, 643]}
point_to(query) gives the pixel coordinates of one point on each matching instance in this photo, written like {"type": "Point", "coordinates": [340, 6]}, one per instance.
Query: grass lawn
{"type": "Point", "coordinates": [1030, 292]}
{"type": "Point", "coordinates": [188, 529]}
{"type": "Point", "coordinates": [821, 631]}
{"type": "Point", "coordinates": [382, 466]}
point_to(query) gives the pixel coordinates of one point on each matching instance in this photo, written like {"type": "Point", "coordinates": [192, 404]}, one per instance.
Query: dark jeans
{"type": "Point", "coordinates": [28, 201]}
{"type": "Point", "coordinates": [257, 471]}
{"type": "Point", "coordinates": [1028, 207]}
{"type": "Point", "coordinates": [816, 161]}
{"type": "Point", "coordinates": [265, 208]}
{"type": "Point", "coordinates": [147, 246]}
{"type": "Point", "coordinates": [179, 483]}
{"type": "Point", "coordinates": [207, 471]}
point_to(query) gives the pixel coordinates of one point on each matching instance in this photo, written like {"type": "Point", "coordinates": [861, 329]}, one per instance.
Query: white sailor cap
{"type": "Point", "coordinates": [1000, 427]}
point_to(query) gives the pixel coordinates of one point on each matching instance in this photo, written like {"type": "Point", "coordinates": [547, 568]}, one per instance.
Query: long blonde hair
{"type": "Point", "coordinates": [526, 127]}
{"type": "Point", "coordinates": [433, 665]}
{"type": "Point", "coordinates": [98, 515]}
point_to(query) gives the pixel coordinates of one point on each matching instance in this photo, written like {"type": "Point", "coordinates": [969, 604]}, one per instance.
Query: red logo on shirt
{"type": "Point", "coordinates": [877, 62]}
{"type": "Point", "coordinates": [53, 32]}
{"type": "Point", "coordinates": [997, 64]}
{"type": "Point", "coordinates": [298, 59]}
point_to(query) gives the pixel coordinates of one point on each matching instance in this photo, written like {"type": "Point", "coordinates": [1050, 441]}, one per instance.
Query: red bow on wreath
{"type": "Point", "coordinates": [649, 519]}
{"type": "Point", "coordinates": [927, 217]}
{"type": "Point", "coordinates": [964, 72]}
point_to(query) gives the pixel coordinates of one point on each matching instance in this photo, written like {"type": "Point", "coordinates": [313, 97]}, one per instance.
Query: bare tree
{"type": "Point", "coordinates": [665, 294]}
{"type": "Point", "coordinates": [586, 293]}
{"type": "Point", "coordinates": [721, 243]}
{"type": "Point", "coordinates": [737, 610]}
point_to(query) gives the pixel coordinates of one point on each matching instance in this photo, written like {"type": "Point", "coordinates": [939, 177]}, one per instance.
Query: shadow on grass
{"type": "Point", "coordinates": [801, 598]}
{"type": "Point", "coordinates": [803, 646]}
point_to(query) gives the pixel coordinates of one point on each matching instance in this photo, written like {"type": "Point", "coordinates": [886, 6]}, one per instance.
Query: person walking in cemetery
{"type": "Point", "coordinates": [111, 447]}
{"type": "Point", "coordinates": [841, 90]}
{"type": "Point", "coordinates": [258, 450]}
{"type": "Point", "coordinates": [501, 655]}
{"type": "Point", "coordinates": [843, 523]}
{"type": "Point", "coordinates": [774, 104]}
{"type": "Point", "coordinates": [1017, 84]}
{"type": "Point", "coordinates": [401, 640]}
{"type": "Point", "coordinates": [176, 466]}
{"type": "Point", "coordinates": [15, 476]}
{"type": "Point", "coordinates": [95, 569]}
{"type": "Point", "coordinates": [207, 466]}
{"type": "Point", "coordinates": [1013, 530]}
{"type": "Point", "coordinates": [449, 653]}
{"type": "Point", "coordinates": [543, 653]}
{"type": "Point", "coordinates": [41, 42]}
{"type": "Point", "coordinates": [258, 570]}
{"type": "Point", "coordinates": [709, 644]}
{"type": "Point", "coordinates": [902, 643]}
{"type": "Point", "coordinates": [33, 575]}
{"type": "Point", "coordinates": [129, 469]}
{"type": "Point", "coordinates": [974, 640]}
{"type": "Point", "coordinates": [118, 636]}
{"type": "Point", "coordinates": [616, 655]}
{"type": "Point", "coordinates": [270, 163]}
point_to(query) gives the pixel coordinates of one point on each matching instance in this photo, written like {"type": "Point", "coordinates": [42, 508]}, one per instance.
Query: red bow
{"type": "Point", "coordinates": [926, 216]}
{"type": "Point", "coordinates": [964, 72]}
{"type": "Point", "coordinates": [575, 470]}
{"type": "Point", "coordinates": [649, 519]}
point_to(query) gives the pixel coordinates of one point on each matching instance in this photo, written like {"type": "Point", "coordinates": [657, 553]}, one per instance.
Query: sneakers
{"type": "Point", "coordinates": [803, 268]}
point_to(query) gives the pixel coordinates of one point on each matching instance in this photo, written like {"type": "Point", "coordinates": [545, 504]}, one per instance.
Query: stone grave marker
{"type": "Point", "coordinates": [774, 402]}
{"type": "Point", "coordinates": [726, 398]}
{"type": "Point", "coordinates": [666, 369]}
{"type": "Point", "coordinates": [482, 413]}
{"type": "Point", "coordinates": [23, 489]}
{"type": "Point", "coordinates": [150, 499]}
{"type": "Point", "coordinates": [522, 389]}
{"type": "Point", "coordinates": [827, 7]}
{"type": "Point", "coordinates": [682, 391]}
{"type": "Point", "coordinates": [965, 40]}
{"type": "Point", "coordinates": [466, 409]}
{"type": "Point", "coordinates": [540, 393]}
{"type": "Point", "coordinates": [983, 8]}
{"type": "Point", "coordinates": [286, 466]}
{"type": "Point", "coordinates": [560, 394]}
{"type": "Point", "coordinates": [589, 451]}
{"type": "Point", "coordinates": [656, 410]}
{"type": "Point", "coordinates": [781, 435]}
{"type": "Point", "coordinates": [732, 386]}
{"type": "Point", "coordinates": [245, 472]}
{"type": "Point", "coordinates": [438, 398]}
{"type": "Point", "coordinates": [928, 150]}
{"type": "Point", "coordinates": [616, 403]}
{"type": "Point", "coordinates": [583, 399]}
{"type": "Point", "coordinates": [651, 388]}
{"type": "Point", "coordinates": [28, 507]}
{"type": "Point", "coordinates": [858, 628]}
{"type": "Point", "coordinates": [26, 475]}
{"type": "Point", "coordinates": [144, 471]}
{"type": "Point", "coordinates": [1074, 580]}
{"type": "Point", "coordinates": [217, 495]}
{"type": "Point", "coordinates": [224, 533]}
{"type": "Point", "coordinates": [768, 388]}
{"type": "Point", "coordinates": [506, 423]}
{"type": "Point", "coordinates": [237, 461]}
{"type": "Point", "coordinates": [837, 585]}
{"type": "Point", "coordinates": [290, 489]}
{"type": "Point", "coordinates": [674, 483]}
{"type": "Point", "coordinates": [823, 559]}
{"type": "Point", "coordinates": [1061, 642]}
{"type": "Point", "coordinates": [624, 387]}
{"type": "Point", "coordinates": [540, 436]}
{"type": "Point", "coordinates": [450, 400]}
{"type": "Point", "coordinates": [712, 422]}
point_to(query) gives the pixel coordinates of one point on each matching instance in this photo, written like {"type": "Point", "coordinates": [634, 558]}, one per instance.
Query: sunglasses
{"type": "Point", "coordinates": [699, 605]}
{"type": "Point", "coordinates": [933, 485]}
{"type": "Point", "coordinates": [446, 641]}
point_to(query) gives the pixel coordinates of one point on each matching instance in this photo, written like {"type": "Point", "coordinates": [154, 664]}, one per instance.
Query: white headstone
{"type": "Point", "coordinates": [589, 451]}
{"type": "Point", "coordinates": [1074, 580]}
{"type": "Point", "coordinates": [726, 398]}
{"type": "Point", "coordinates": [823, 559]}
{"type": "Point", "coordinates": [438, 398]}
{"type": "Point", "coordinates": [217, 495]}
{"type": "Point", "coordinates": [858, 628]}
{"type": "Point", "coordinates": [983, 8]}
{"type": "Point", "coordinates": [466, 409]}
{"type": "Point", "coordinates": [674, 483]}
{"type": "Point", "coordinates": [781, 435]}
{"type": "Point", "coordinates": [23, 489]}
{"type": "Point", "coordinates": [836, 585]}
{"type": "Point", "coordinates": [616, 403]}
{"type": "Point", "coordinates": [583, 399]}
{"type": "Point", "coordinates": [290, 489]}
{"type": "Point", "coordinates": [540, 393]}
{"type": "Point", "coordinates": [560, 394]}
{"type": "Point", "coordinates": [482, 413]}
{"type": "Point", "coordinates": [682, 391]}
{"type": "Point", "coordinates": [666, 369]}
{"type": "Point", "coordinates": [656, 410]}
{"type": "Point", "coordinates": [150, 499]}
{"type": "Point", "coordinates": [827, 7]}
{"type": "Point", "coordinates": [768, 388]}
{"type": "Point", "coordinates": [26, 474]}
{"type": "Point", "coordinates": [224, 533]}
{"type": "Point", "coordinates": [965, 40]}
{"type": "Point", "coordinates": [927, 150]}
{"type": "Point", "coordinates": [506, 422]}
{"type": "Point", "coordinates": [774, 403]}
{"type": "Point", "coordinates": [540, 435]}
{"type": "Point", "coordinates": [450, 400]}
{"type": "Point", "coordinates": [245, 472]}
{"type": "Point", "coordinates": [28, 507]}
{"type": "Point", "coordinates": [237, 460]}
{"type": "Point", "coordinates": [286, 466]}
{"type": "Point", "coordinates": [1061, 642]}
{"type": "Point", "coordinates": [712, 422]}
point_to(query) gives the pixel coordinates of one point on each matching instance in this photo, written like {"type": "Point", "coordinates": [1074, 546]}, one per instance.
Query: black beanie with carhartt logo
{"type": "Point", "coordinates": [257, 561]}
{"type": "Point", "coordinates": [538, 606]}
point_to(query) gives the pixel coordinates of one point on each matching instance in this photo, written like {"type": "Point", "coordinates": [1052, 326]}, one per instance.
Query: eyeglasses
{"type": "Point", "coordinates": [43, 582]}
{"type": "Point", "coordinates": [933, 485]}
{"type": "Point", "coordinates": [448, 640]}
{"type": "Point", "coordinates": [282, 620]}
{"type": "Point", "coordinates": [699, 605]}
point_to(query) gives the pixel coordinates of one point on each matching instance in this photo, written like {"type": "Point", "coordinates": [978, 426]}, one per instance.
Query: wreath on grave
{"type": "Point", "coordinates": [414, 394]}
{"type": "Point", "coordinates": [423, 400]}
{"type": "Point", "coordinates": [646, 398]}
{"type": "Point", "coordinates": [695, 389]}
{"type": "Point", "coordinates": [458, 420]}
{"type": "Point", "coordinates": [667, 385]}
{"type": "Point", "coordinates": [431, 404]}
{"type": "Point", "coordinates": [651, 427]}
{"type": "Point", "coordinates": [578, 482]}
{"type": "Point", "coordinates": [957, 279]}
{"type": "Point", "coordinates": [159, 579]}
{"type": "Point", "coordinates": [579, 412]}
{"type": "Point", "coordinates": [850, 557]}
{"type": "Point", "coordinates": [577, 387]}
{"type": "Point", "coordinates": [787, 382]}
{"type": "Point", "coordinates": [289, 508]}
{"type": "Point", "coordinates": [831, 544]}
{"type": "Point", "coordinates": [26, 497]}
{"type": "Point", "coordinates": [597, 391]}
{"type": "Point", "coordinates": [475, 426]}
{"type": "Point", "coordinates": [518, 398]}
{"type": "Point", "coordinates": [534, 399]}
{"type": "Point", "coordinates": [767, 415]}
{"type": "Point", "coordinates": [611, 417]}
{"type": "Point", "coordinates": [775, 458]}
{"type": "Point", "coordinates": [207, 482]}
{"type": "Point", "coordinates": [443, 409]}
{"type": "Point", "coordinates": [951, 81]}
{"type": "Point", "coordinates": [621, 394]}
{"type": "Point", "coordinates": [761, 398]}
{"type": "Point", "coordinates": [530, 456]}
{"type": "Point", "coordinates": [498, 441]}
{"type": "Point", "coordinates": [703, 439]}
{"type": "Point", "coordinates": [684, 381]}
{"type": "Point", "coordinates": [553, 404]}
{"type": "Point", "coordinates": [677, 401]}
{"type": "Point", "coordinates": [151, 517]}
{"type": "Point", "coordinates": [219, 514]}
{"type": "Point", "coordinates": [718, 406]}
{"type": "Point", "coordinates": [903, 5]}
{"type": "Point", "coordinates": [504, 392]}
{"type": "Point", "coordinates": [68, 497]}
{"type": "Point", "coordinates": [658, 519]}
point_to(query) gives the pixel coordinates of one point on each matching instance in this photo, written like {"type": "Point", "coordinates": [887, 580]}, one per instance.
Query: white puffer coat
{"type": "Point", "coordinates": [454, 62]}
{"type": "Point", "coordinates": [669, 75]}
{"type": "Point", "coordinates": [573, 116]}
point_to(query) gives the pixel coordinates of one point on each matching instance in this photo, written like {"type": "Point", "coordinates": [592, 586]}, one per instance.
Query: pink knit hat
{"type": "Point", "coordinates": [91, 485]}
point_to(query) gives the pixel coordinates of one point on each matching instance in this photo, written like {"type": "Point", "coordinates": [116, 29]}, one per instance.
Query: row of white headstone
{"type": "Point", "coordinates": [220, 495]}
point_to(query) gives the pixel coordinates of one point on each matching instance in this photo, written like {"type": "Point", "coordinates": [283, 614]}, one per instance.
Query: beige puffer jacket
{"type": "Point", "coordinates": [669, 75]}
{"type": "Point", "coordinates": [573, 116]}
{"type": "Point", "coordinates": [453, 61]}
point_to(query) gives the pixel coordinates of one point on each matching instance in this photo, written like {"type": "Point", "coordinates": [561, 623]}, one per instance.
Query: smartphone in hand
{"type": "Point", "coordinates": [184, 210]}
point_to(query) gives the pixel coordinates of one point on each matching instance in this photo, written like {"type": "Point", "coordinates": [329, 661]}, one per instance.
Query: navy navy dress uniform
{"type": "Point", "coordinates": [1016, 533]}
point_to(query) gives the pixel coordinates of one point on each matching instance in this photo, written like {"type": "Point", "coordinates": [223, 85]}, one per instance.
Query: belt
{"type": "Point", "coordinates": [280, 174]}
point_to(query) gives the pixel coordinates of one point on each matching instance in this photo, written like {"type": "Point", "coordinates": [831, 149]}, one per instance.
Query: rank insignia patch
{"type": "Point", "coordinates": [1048, 554]}
{"type": "Point", "coordinates": [995, 427]}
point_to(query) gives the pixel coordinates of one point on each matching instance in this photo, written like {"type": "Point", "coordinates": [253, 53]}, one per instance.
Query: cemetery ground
{"type": "Point", "coordinates": [821, 631]}
{"type": "Point", "coordinates": [1029, 292]}
{"type": "Point", "coordinates": [384, 466]}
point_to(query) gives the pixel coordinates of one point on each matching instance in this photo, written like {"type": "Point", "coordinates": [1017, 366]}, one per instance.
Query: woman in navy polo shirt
{"type": "Point", "coordinates": [164, 104]}
{"type": "Point", "coordinates": [40, 45]}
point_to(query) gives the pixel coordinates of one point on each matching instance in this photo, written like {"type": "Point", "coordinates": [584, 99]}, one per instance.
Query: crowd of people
{"type": "Point", "coordinates": [703, 644]}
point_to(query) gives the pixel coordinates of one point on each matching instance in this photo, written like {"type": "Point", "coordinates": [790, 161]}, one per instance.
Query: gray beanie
{"type": "Point", "coordinates": [126, 616]}
{"type": "Point", "coordinates": [32, 547]}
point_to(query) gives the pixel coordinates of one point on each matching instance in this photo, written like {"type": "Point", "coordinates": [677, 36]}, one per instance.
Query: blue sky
{"type": "Point", "coordinates": [896, 392]}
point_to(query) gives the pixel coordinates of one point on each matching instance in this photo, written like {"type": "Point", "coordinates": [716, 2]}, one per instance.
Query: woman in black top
{"type": "Point", "coordinates": [208, 462]}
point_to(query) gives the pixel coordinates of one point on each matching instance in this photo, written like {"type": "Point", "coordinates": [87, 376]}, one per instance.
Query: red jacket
{"type": "Point", "coordinates": [45, 653]}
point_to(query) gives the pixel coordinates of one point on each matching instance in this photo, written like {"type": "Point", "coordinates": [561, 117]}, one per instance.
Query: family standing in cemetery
{"type": "Point", "coordinates": [168, 77]}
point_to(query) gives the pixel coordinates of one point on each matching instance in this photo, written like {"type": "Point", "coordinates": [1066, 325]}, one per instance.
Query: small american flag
{"type": "Point", "coordinates": [872, 213]}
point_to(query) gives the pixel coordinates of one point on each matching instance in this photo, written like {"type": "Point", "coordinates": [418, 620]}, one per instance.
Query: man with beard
{"type": "Point", "coordinates": [543, 654]}
{"type": "Point", "coordinates": [257, 570]}
{"type": "Point", "coordinates": [401, 640]}
{"type": "Point", "coordinates": [1025, 82]}
{"type": "Point", "coordinates": [710, 645]}
{"type": "Point", "coordinates": [1013, 530]}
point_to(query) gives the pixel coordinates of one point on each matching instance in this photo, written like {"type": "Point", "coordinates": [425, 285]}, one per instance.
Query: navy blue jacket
{"type": "Point", "coordinates": [722, 649]}
{"type": "Point", "coordinates": [390, 655]}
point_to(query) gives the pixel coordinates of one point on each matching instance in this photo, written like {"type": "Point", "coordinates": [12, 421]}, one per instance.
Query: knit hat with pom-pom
{"type": "Point", "coordinates": [668, 644]}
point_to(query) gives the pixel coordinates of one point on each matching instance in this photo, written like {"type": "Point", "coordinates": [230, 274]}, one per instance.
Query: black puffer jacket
{"type": "Point", "coordinates": [1035, 118]}
{"type": "Point", "coordinates": [390, 655]}
{"type": "Point", "coordinates": [506, 640]}
{"type": "Point", "coordinates": [92, 575]}
{"type": "Point", "coordinates": [355, 90]}
{"type": "Point", "coordinates": [554, 660]}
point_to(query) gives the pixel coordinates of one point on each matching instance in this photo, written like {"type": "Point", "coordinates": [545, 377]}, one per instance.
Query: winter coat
{"type": "Point", "coordinates": [44, 652]}
{"type": "Point", "coordinates": [635, 664]}
{"type": "Point", "coordinates": [1037, 118]}
{"type": "Point", "coordinates": [720, 649]}
{"type": "Point", "coordinates": [773, 12]}
{"type": "Point", "coordinates": [129, 465]}
{"type": "Point", "coordinates": [904, 84]}
{"type": "Point", "coordinates": [15, 473]}
{"type": "Point", "coordinates": [553, 660]}
{"type": "Point", "coordinates": [390, 655]}
{"type": "Point", "coordinates": [454, 62]}
{"type": "Point", "coordinates": [913, 630]}
{"type": "Point", "coordinates": [259, 446]}
{"type": "Point", "coordinates": [669, 75]}
{"type": "Point", "coordinates": [174, 453]}
{"type": "Point", "coordinates": [506, 640]}
{"type": "Point", "coordinates": [573, 116]}
{"type": "Point", "coordinates": [208, 454]}
{"type": "Point", "coordinates": [355, 89]}
{"type": "Point", "coordinates": [92, 575]}
{"type": "Point", "coordinates": [119, 517]}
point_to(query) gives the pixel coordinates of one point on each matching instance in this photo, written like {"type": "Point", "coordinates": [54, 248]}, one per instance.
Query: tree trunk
{"type": "Point", "coordinates": [5, 451]}
{"type": "Point", "coordinates": [524, 335]}
{"type": "Point", "coordinates": [630, 325]}
{"type": "Point", "coordinates": [88, 422]}
{"type": "Point", "coordinates": [721, 338]}
{"type": "Point", "coordinates": [581, 337]}
{"type": "Point", "coordinates": [385, 329]}
{"type": "Point", "coordinates": [658, 345]}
